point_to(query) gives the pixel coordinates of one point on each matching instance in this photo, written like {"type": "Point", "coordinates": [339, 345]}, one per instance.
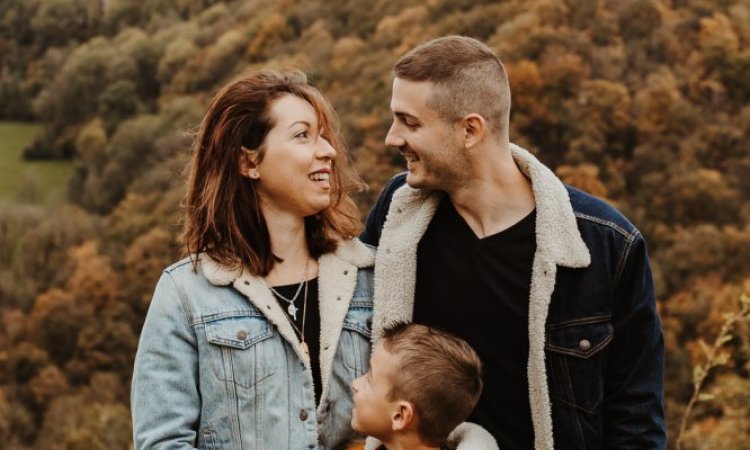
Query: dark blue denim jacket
{"type": "Point", "coordinates": [603, 346]}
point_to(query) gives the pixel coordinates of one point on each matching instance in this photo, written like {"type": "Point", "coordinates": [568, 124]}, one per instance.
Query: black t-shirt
{"type": "Point", "coordinates": [312, 324]}
{"type": "Point", "coordinates": [478, 289]}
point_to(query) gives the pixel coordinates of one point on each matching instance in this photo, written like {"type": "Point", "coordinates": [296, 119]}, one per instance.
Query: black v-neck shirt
{"type": "Point", "coordinates": [478, 289]}
{"type": "Point", "coordinates": [312, 324]}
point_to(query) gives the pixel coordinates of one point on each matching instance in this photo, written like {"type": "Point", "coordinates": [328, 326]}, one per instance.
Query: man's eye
{"type": "Point", "coordinates": [409, 123]}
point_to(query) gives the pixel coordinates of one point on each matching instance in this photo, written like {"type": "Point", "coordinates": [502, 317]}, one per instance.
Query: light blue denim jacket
{"type": "Point", "coordinates": [219, 366]}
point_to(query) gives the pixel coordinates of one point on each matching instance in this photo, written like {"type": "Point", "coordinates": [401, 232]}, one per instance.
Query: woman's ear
{"type": "Point", "coordinates": [248, 164]}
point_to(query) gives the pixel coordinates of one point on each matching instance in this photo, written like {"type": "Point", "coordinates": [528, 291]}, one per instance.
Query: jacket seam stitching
{"type": "Point", "coordinates": [621, 263]}
{"type": "Point", "coordinates": [178, 264]}
{"type": "Point", "coordinates": [585, 321]}
{"type": "Point", "coordinates": [578, 353]}
{"type": "Point", "coordinates": [186, 309]}
{"type": "Point", "coordinates": [608, 223]}
{"type": "Point", "coordinates": [208, 318]}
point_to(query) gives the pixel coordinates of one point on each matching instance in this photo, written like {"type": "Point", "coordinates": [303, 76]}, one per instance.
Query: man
{"type": "Point", "coordinates": [551, 286]}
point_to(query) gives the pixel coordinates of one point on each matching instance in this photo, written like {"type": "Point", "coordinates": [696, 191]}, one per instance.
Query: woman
{"type": "Point", "coordinates": [253, 341]}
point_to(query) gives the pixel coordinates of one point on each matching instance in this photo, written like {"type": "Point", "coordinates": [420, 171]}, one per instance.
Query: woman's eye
{"type": "Point", "coordinates": [302, 134]}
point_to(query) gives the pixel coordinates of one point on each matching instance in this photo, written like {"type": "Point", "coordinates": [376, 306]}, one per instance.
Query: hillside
{"type": "Point", "coordinates": [641, 102]}
{"type": "Point", "coordinates": [29, 181]}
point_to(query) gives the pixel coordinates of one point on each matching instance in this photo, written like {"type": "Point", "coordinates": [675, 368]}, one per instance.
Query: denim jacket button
{"type": "Point", "coordinates": [241, 335]}
{"type": "Point", "coordinates": [584, 345]}
{"type": "Point", "coordinates": [303, 415]}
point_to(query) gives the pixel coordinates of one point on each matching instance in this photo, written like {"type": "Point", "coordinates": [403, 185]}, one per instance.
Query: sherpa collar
{"type": "Point", "coordinates": [337, 279]}
{"type": "Point", "coordinates": [558, 243]}
{"type": "Point", "coordinates": [466, 436]}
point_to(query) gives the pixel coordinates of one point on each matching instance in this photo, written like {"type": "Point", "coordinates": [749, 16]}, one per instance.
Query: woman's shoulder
{"type": "Point", "coordinates": [199, 271]}
{"type": "Point", "coordinates": [356, 252]}
{"type": "Point", "coordinates": [203, 287]}
{"type": "Point", "coordinates": [186, 263]}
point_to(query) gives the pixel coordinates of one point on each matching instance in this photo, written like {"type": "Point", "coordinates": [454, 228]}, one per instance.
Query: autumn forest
{"type": "Point", "coordinates": [645, 103]}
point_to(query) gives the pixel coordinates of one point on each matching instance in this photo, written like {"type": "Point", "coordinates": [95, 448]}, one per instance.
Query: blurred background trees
{"type": "Point", "coordinates": [641, 102]}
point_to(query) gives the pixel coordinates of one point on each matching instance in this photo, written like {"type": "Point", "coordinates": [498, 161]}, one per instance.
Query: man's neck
{"type": "Point", "coordinates": [495, 195]}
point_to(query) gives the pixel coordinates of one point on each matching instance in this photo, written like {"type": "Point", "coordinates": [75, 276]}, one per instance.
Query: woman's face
{"type": "Point", "coordinates": [296, 166]}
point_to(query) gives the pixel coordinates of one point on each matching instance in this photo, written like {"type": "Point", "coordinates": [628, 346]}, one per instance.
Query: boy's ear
{"type": "Point", "coordinates": [402, 416]}
{"type": "Point", "coordinates": [248, 164]}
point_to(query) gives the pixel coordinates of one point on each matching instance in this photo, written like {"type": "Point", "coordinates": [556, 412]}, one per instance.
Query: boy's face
{"type": "Point", "coordinates": [372, 410]}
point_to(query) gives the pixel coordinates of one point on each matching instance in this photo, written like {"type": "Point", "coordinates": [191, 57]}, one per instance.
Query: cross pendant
{"type": "Point", "coordinates": [292, 310]}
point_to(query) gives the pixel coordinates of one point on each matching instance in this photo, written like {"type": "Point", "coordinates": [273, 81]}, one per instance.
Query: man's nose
{"type": "Point", "coordinates": [393, 138]}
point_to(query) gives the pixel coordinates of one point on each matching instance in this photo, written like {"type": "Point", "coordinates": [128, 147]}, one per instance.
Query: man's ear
{"type": "Point", "coordinates": [248, 164]}
{"type": "Point", "coordinates": [474, 128]}
{"type": "Point", "coordinates": [402, 416]}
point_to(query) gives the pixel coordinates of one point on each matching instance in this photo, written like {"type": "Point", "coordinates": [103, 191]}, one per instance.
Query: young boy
{"type": "Point", "coordinates": [421, 385]}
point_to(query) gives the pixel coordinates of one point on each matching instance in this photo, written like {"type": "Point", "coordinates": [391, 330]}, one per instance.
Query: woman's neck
{"type": "Point", "coordinates": [289, 243]}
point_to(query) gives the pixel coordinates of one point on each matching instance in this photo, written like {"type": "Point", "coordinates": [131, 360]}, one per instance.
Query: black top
{"type": "Point", "coordinates": [312, 324]}
{"type": "Point", "coordinates": [479, 289]}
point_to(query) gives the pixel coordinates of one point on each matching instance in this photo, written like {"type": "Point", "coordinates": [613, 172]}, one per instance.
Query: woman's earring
{"type": "Point", "coordinates": [253, 175]}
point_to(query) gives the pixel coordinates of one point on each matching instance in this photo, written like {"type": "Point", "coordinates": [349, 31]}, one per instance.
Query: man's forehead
{"type": "Point", "coordinates": [410, 97]}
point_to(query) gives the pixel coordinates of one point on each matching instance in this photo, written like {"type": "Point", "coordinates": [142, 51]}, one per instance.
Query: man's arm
{"type": "Point", "coordinates": [634, 384]}
{"type": "Point", "coordinates": [379, 212]}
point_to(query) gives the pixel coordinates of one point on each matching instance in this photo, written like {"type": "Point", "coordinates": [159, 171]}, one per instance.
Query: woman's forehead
{"type": "Point", "coordinates": [290, 109]}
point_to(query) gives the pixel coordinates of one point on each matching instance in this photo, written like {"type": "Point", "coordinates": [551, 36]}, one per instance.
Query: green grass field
{"type": "Point", "coordinates": [24, 181]}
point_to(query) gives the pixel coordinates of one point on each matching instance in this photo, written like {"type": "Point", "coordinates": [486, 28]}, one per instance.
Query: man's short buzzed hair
{"type": "Point", "coordinates": [468, 75]}
{"type": "Point", "coordinates": [437, 372]}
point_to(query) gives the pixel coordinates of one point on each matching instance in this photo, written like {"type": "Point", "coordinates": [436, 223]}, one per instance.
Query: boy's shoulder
{"type": "Point", "coordinates": [466, 436]}
{"type": "Point", "coordinates": [470, 436]}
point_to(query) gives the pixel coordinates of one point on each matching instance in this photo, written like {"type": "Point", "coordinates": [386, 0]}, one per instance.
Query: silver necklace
{"type": "Point", "coordinates": [303, 345]}
{"type": "Point", "coordinates": [292, 308]}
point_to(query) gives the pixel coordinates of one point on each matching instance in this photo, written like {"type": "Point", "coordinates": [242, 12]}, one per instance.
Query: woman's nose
{"type": "Point", "coordinates": [325, 149]}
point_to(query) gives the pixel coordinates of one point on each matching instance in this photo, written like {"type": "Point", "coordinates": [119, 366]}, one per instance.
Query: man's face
{"type": "Point", "coordinates": [372, 409]}
{"type": "Point", "coordinates": [433, 148]}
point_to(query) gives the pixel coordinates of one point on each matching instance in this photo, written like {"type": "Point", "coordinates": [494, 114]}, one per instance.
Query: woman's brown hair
{"type": "Point", "coordinates": [222, 215]}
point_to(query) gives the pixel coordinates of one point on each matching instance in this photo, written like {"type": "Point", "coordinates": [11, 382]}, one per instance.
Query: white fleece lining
{"type": "Point", "coordinates": [558, 242]}
{"type": "Point", "coordinates": [466, 436]}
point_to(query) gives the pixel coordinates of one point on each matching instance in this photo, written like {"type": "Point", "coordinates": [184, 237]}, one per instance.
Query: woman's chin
{"type": "Point", "coordinates": [318, 208]}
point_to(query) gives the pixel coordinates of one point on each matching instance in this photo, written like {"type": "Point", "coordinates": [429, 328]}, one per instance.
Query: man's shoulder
{"type": "Point", "coordinates": [376, 217]}
{"type": "Point", "coordinates": [593, 210]}
{"type": "Point", "coordinates": [394, 184]}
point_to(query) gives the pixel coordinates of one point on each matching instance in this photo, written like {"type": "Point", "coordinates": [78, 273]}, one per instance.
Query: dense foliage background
{"type": "Point", "coordinates": [642, 102]}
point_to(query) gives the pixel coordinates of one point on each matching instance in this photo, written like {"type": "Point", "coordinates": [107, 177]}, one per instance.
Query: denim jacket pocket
{"type": "Point", "coordinates": [207, 440]}
{"type": "Point", "coordinates": [241, 348]}
{"type": "Point", "coordinates": [577, 359]}
{"type": "Point", "coordinates": [356, 334]}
